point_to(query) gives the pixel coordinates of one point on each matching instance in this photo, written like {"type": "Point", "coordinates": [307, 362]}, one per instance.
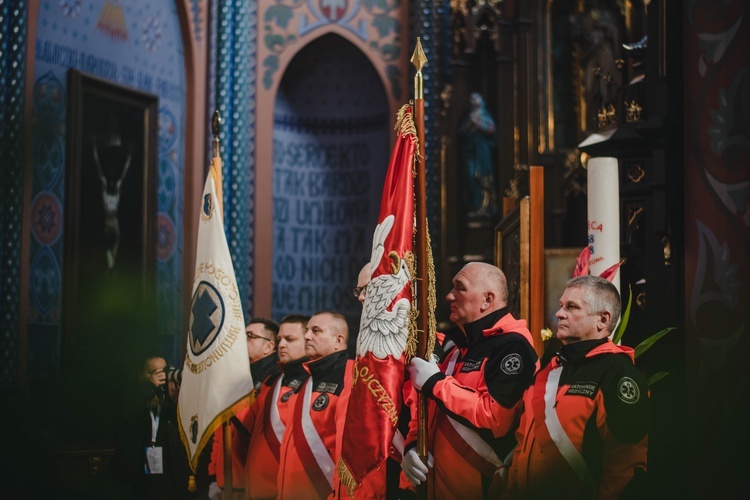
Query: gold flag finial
{"type": "Point", "coordinates": [418, 59]}
{"type": "Point", "coordinates": [216, 129]}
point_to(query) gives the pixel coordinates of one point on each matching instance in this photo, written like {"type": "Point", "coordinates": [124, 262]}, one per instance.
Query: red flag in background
{"type": "Point", "coordinates": [609, 273]}
{"type": "Point", "coordinates": [582, 266]}
{"type": "Point", "coordinates": [376, 395]}
{"type": "Point", "coordinates": [582, 263]}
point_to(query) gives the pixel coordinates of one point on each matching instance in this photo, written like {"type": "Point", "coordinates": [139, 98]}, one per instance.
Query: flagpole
{"type": "Point", "coordinates": [216, 164]}
{"type": "Point", "coordinates": [216, 172]}
{"type": "Point", "coordinates": [418, 59]}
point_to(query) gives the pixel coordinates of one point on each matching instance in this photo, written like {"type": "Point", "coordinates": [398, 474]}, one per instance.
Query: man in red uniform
{"type": "Point", "coordinates": [260, 334]}
{"type": "Point", "coordinates": [583, 432]}
{"type": "Point", "coordinates": [474, 392]}
{"type": "Point", "coordinates": [268, 417]}
{"type": "Point", "coordinates": [311, 444]}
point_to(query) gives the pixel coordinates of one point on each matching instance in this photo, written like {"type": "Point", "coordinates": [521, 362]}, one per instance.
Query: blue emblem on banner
{"type": "Point", "coordinates": [208, 207]}
{"type": "Point", "coordinates": [206, 317]}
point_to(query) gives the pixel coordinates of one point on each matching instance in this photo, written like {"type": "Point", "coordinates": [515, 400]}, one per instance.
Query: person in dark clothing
{"type": "Point", "coordinates": [149, 460]}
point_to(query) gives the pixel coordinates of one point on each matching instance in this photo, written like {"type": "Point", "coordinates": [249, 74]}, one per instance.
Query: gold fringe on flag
{"type": "Point", "coordinates": [411, 342]}
{"type": "Point", "coordinates": [405, 127]}
{"type": "Point", "coordinates": [346, 477]}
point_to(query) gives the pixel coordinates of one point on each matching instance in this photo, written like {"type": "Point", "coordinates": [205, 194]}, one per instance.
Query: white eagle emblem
{"type": "Point", "coordinates": [383, 331]}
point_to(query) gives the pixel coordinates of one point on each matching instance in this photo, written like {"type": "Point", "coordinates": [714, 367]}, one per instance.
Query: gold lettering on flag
{"type": "Point", "coordinates": [377, 390]}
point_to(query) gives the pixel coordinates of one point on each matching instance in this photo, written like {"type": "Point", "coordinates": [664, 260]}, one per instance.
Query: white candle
{"type": "Point", "coordinates": [604, 216]}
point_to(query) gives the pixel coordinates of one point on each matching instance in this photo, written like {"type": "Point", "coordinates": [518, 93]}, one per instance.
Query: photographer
{"type": "Point", "coordinates": [149, 461]}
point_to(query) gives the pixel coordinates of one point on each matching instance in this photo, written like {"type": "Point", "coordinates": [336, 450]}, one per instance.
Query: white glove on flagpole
{"type": "Point", "coordinates": [214, 492]}
{"type": "Point", "coordinates": [414, 469]}
{"type": "Point", "coordinates": [421, 370]}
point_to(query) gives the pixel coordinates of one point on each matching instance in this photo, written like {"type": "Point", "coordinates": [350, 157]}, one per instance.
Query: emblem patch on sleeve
{"type": "Point", "coordinates": [320, 402]}
{"type": "Point", "coordinates": [512, 364]}
{"type": "Point", "coordinates": [628, 391]}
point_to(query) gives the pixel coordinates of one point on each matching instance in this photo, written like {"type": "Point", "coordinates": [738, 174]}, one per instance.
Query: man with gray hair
{"type": "Point", "coordinates": [583, 432]}
{"type": "Point", "coordinates": [474, 391]}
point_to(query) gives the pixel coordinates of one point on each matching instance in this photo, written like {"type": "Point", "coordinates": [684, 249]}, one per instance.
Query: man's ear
{"type": "Point", "coordinates": [603, 321]}
{"type": "Point", "coordinates": [489, 299]}
{"type": "Point", "coordinates": [340, 340]}
{"type": "Point", "coordinates": [270, 347]}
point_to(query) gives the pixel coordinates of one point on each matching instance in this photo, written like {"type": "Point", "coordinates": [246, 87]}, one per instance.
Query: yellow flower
{"type": "Point", "coordinates": [547, 334]}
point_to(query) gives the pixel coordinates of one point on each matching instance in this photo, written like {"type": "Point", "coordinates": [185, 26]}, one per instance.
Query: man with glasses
{"type": "Point", "coordinates": [260, 335]}
{"type": "Point", "coordinates": [362, 280]}
{"type": "Point", "coordinates": [261, 350]}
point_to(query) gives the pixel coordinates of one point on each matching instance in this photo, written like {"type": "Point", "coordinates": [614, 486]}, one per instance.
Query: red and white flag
{"type": "Point", "coordinates": [376, 397]}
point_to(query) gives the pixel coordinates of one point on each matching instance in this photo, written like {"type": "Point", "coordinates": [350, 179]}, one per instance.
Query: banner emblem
{"type": "Point", "coordinates": [206, 317]}
{"type": "Point", "coordinates": [207, 211]}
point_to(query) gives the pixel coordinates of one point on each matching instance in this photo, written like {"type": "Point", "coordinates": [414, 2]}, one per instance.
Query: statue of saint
{"type": "Point", "coordinates": [477, 135]}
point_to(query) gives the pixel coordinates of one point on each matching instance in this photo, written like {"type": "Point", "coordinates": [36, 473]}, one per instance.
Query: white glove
{"type": "Point", "coordinates": [414, 469]}
{"type": "Point", "coordinates": [214, 492]}
{"type": "Point", "coordinates": [420, 370]}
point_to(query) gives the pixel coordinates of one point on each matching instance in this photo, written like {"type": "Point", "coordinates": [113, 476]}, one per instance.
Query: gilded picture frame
{"type": "Point", "coordinates": [559, 265]}
{"type": "Point", "coordinates": [513, 256]}
{"type": "Point", "coordinates": [109, 257]}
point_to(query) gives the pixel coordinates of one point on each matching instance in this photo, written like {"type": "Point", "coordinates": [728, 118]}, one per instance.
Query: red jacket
{"type": "Point", "coordinates": [473, 403]}
{"type": "Point", "coordinates": [266, 424]}
{"type": "Point", "coordinates": [591, 396]}
{"type": "Point", "coordinates": [260, 370]}
{"type": "Point", "coordinates": [311, 447]}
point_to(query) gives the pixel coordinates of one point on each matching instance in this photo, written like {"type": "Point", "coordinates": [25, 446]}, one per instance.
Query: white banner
{"type": "Point", "coordinates": [604, 216]}
{"type": "Point", "coordinates": [216, 373]}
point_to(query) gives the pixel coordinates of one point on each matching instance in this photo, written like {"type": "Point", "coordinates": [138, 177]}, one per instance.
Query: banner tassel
{"type": "Point", "coordinates": [346, 477]}
{"type": "Point", "coordinates": [192, 487]}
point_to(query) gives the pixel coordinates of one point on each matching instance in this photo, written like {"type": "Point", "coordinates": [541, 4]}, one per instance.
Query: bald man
{"type": "Point", "coordinates": [475, 391]}
{"type": "Point", "coordinates": [363, 278]}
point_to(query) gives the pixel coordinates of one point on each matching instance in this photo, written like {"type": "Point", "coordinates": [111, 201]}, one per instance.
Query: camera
{"type": "Point", "coordinates": [174, 375]}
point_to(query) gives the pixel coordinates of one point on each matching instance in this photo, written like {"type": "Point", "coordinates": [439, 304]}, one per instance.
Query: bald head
{"type": "Point", "coordinates": [478, 290]}
{"type": "Point", "coordinates": [326, 332]}
{"type": "Point", "coordinates": [362, 280]}
{"type": "Point", "coordinates": [493, 280]}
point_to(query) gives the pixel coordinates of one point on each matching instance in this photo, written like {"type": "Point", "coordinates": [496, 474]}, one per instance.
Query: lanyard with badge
{"type": "Point", "coordinates": [154, 458]}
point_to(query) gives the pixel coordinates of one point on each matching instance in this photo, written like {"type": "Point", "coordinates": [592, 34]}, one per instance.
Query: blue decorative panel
{"type": "Point", "coordinates": [136, 44]}
{"type": "Point", "coordinates": [45, 281]}
{"type": "Point", "coordinates": [236, 101]}
{"type": "Point", "coordinates": [49, 140]}
{"type": "Point", "coordinates": [12, 80]}
{"type": "Point", "coordinates": [431, 21]}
